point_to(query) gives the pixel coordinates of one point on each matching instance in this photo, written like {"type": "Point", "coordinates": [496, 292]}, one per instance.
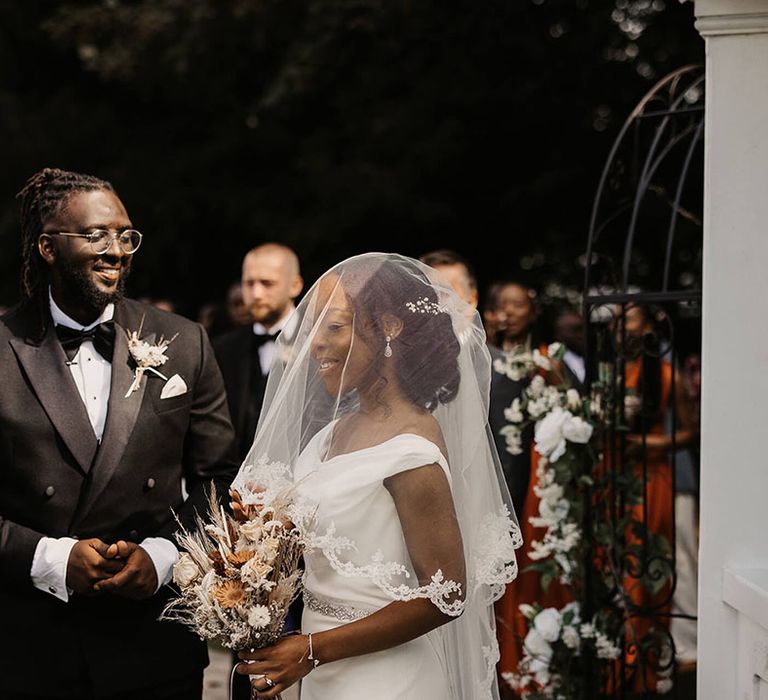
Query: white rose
{"type": "Point", "coordinates": [185, 571]}
{"type": "Point", "coordinates": [550, 441]}
{"type": "Point", "coordinates": [540, 673]}
{"type": "Point", "coordinates": [571, 637]}
{"type": "Point", "coordinates": [573, 399]}
{"type": "Point", "coordinates": [537, 646]}
{"type": "Point", "coordinates": [252, 530]}
{"type": "Point", "coordinates": [548, 624]}
{"type": "Point", "coordinates": [254, 573]}
{"type": "Point", "coordinates": [577, 430]}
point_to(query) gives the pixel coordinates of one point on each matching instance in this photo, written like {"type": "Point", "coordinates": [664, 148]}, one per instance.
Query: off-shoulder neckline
{"type": "Point", "coordinates": [329, 429]}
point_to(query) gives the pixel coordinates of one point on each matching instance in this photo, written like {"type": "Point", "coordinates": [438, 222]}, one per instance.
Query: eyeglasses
{"type": "Point", "coordinates": [101, 239]}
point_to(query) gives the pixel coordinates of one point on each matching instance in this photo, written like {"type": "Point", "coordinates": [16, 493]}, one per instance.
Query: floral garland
{"type": "Point", "coordinates": [565, 437]}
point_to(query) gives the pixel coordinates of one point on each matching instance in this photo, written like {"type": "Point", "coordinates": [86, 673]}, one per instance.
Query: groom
{"type": "Point", "coordinates": [95, 457]}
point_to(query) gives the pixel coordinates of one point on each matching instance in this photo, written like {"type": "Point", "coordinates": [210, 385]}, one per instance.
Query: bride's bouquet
{"type": "Point", "coordinates": [237, 577]}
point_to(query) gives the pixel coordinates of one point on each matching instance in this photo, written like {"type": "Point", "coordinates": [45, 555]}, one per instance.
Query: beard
{"type": "Point", "coordinates": [268, 317]}
{"type": "Point", "coordinates": [78, 284]}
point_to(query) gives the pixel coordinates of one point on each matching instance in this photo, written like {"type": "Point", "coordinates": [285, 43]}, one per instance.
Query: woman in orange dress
{"type": "Point", "coordinates": [650, 379]}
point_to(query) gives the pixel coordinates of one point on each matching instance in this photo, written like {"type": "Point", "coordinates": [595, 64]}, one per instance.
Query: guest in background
{"type": "Point", "coordinates": [648, 378]}
{"type": "Point", "coordinates": [270, 284]}
{"type": "Point", "coordinates": [685, 598]}
{"type": "Point", "coordinates": [459, 273]}
{"type": "Point", "coordinates": [238, 313]}
{"type": "Point", "coordinates": [457, 270]}
{"type": "Point", "coordinates": [569, 330]}
{"type": "Point", "coordinates": [510, 314]}
{"type": "Point", "coordinates": [219, 318]}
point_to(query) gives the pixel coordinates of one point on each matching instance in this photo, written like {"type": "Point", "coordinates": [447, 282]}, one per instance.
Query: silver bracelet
{"type": "Point", "coordinates": [311, 656]}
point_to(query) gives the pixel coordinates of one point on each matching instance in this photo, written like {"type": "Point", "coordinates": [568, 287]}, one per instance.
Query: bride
{"type": "Point", "coordinates": [378, 405]}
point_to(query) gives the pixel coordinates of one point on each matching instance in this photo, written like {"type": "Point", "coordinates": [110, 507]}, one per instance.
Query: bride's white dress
{"type": "Point", "coordinates": [352, 498]}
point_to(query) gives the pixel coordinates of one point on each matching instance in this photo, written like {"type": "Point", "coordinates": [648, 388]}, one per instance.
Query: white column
{"type": "Point", "coordinates": [733, 576]}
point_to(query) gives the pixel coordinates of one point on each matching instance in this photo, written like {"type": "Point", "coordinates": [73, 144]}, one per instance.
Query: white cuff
{"type": "Point", "coordinates": [49, 566]}
{"type": "Point", "coordinates": [164, 555]}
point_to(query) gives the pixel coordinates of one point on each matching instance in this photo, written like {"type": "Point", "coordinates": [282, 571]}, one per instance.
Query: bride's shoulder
{"type": "Point", "coordinates": [425, 426]}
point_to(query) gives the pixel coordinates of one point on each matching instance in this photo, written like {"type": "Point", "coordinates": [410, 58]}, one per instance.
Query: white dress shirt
{"type": "Point", "coordinates": [267, 350]}
{"type": "Point", "coordinates": [92, 374]}
{"type": "Point", "coordinates": [576, 364]}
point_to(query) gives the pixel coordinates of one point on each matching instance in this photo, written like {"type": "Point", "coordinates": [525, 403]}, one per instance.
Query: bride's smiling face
{"type": "Point", "coordinates": [344, 357]}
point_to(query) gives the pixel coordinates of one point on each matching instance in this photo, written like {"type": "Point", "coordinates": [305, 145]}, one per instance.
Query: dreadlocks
{"type": "Point", "coordinates": [43, 195]}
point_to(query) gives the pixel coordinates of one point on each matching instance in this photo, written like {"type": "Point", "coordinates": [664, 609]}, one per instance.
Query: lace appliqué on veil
{"type": "Point", "coordinates": [380, 572]}
{"type": "Point", "coordinates": [494, 563]}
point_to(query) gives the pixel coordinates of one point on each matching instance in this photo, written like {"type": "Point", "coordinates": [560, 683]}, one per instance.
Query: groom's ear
{"type": "Point", "coordinates": [391, 325]}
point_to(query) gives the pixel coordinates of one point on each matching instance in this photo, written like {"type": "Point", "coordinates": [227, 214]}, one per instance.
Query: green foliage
{"type": "Point", "coordinates": [335, 127]}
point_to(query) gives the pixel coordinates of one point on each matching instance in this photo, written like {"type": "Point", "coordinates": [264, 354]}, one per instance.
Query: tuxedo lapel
{"type": "Point", "coordinates": [122, 414]}
{"type": "Point", "coordinates": [46, 367]}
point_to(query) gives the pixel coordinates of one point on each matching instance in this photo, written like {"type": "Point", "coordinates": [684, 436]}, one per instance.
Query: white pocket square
{"type": "Point", "coordinates": [175, 386]}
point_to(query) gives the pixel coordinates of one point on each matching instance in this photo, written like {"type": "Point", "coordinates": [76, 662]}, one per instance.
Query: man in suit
{"type": "Point", "coordinates": [92, 471]}
{"type": "Point", "coordinates": [569, 330]}
{"type": "Point", "coordinates": [458, 272]}
{"type": "Point", "coordinates": [271, 282]}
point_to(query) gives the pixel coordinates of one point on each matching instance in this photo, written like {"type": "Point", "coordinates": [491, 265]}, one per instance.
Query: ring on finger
{"type": "Point", "coordinates": [270, 683]}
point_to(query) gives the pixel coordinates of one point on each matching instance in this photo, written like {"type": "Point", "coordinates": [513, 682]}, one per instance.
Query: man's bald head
{"type": "Point", "coordinates": [271, 281]}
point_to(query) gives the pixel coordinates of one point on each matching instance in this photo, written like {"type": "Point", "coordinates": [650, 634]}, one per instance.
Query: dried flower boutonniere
{"type": "Point", "coordinates": [147, 357]}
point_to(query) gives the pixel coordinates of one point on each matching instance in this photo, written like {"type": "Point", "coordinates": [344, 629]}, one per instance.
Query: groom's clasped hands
{"type": "Point", "coordinates": [123, 568]}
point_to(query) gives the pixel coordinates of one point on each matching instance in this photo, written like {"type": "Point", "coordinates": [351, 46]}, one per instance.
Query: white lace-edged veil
{"type": "Point", "coordinates": [373, 327]}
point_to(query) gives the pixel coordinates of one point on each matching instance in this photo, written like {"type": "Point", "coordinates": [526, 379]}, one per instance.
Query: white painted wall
{"type": "Point", "coordinates": [733, 637]}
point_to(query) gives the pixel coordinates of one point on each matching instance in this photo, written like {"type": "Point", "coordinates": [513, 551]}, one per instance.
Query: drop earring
{"type": "Point", "coordinates": [388, 347]}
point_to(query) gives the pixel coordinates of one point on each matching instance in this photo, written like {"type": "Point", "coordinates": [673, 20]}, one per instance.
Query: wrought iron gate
{"type": "Point", "coordinates": [642, 304]}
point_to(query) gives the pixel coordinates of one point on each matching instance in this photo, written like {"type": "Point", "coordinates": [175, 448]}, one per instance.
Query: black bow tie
{"type": "Point", "coordinates": [102, 336]}
{"type": "Point", "coordinates": [260, 338]}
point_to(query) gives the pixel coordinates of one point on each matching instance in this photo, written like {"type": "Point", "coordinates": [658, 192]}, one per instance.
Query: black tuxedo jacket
{"type": "Point", "coordinates": [516, 468]}
{"type": "Point", "coordinates": [244, 381]}
{"type": "Point", "coordinates": [57, 480]}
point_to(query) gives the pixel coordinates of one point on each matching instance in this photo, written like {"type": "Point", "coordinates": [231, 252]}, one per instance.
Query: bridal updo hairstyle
{"type": "Point", "coordinates": [425, 353]}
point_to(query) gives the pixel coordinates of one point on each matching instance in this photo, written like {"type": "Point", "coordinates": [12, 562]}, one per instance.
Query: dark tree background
{"type": "Point", "coordinates": [335, 126]}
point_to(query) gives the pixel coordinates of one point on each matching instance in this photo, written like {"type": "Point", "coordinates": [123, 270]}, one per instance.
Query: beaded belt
{"type": "Point", "coordinates": [332, 609]}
